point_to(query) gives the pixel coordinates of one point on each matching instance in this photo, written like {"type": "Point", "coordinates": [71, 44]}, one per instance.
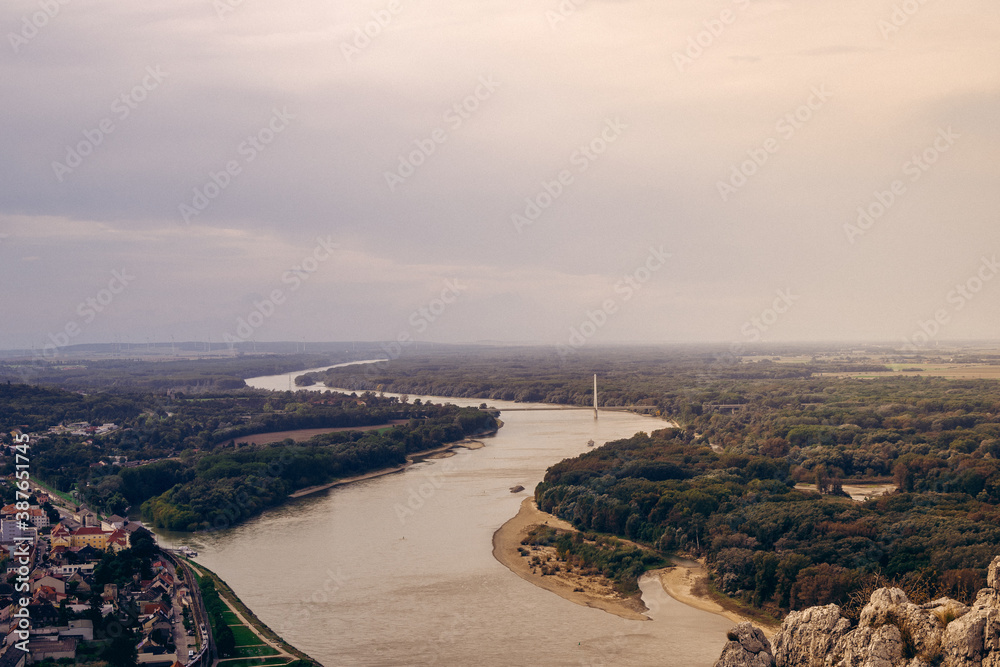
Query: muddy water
{"type": "Point", "coordinates": [398, 570]}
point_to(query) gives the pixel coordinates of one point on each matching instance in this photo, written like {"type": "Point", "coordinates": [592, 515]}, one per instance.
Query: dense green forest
{"type": "Point", "coordinates": [783, 548]}
{"type": "Point", "coordinates": [225, 488]}
{"type": "Point", "coordinates": [182, 453]}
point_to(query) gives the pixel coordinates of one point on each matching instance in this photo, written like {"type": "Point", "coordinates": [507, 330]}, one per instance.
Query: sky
{"type": "Point", "coordinates": [561, 173]}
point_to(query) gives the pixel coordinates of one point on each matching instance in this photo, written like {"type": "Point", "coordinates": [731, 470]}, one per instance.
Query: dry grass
{"type": "Point", "coordinates": [945, 615]}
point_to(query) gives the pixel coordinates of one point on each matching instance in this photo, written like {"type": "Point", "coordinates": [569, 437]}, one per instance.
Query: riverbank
{"type": "Point", "coordinates": [439, 452]}
{"type": "Point", "coordinates": [595, 592]}
{"type": "Point", "coordinates": [687, 582]}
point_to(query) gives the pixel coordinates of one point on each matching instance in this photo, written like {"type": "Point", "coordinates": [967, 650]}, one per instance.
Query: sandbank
{"type": "Point", "coordinates": [597, 592]}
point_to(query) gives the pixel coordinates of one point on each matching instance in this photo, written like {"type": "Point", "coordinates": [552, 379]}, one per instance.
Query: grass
{"type": "Point", "coordinates": [230, 618]}
{"type": "Point", "coordinates": [255, 662]}
{"type": "Point", "coordinates": [244, 635]}
{"type": "Point", "coordinates": [59, 494]}
{"type": "Point", "coordinates": [254, 651]}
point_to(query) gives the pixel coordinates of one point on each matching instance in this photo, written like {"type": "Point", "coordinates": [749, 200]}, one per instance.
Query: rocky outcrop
{"type": "Point", "coordinates": [747, 646]}
{"type": "Point", "coordinates": [891, 632]}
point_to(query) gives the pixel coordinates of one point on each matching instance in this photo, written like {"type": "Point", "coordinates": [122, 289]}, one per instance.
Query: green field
{"type": "Point", "coordinates": [244, 635]}
{"type": "Point", "coordinates": [254, 651]}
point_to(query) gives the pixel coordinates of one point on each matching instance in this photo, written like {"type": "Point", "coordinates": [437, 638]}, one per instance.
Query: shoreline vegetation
{"type": "Point", "coordinates": [439, 452]}
{"type": "Point", "coordinates": [221, 489]}
{"type": "Point", "coordinates": [688, 583]}
{"type": "Point", "coordinates": [594, 591]}
{"type": "Point", "coordinates": [685, 581]}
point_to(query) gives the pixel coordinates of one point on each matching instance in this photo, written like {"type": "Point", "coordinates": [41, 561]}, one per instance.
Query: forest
{"type": "Point", "coordinates": [205, 374]}
{"type": "Point", "coordinates": [222, 489]}
{"type": "Point", "coordinates": [724, 486]}
{"type": "Point", "coordinates": [650, 379]}
{"type": "Point", "coordinates": [179, 458]}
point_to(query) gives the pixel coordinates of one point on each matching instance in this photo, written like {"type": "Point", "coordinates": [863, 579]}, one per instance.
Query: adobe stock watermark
{"type": "Point", "coordinates": [786, 127]}
{"type": "Point", "coordinates": [365, 34]}
{"type": "Point", "coordinates": [121, 108]}
{"type": "Point", "coordinates": [322, 594]}
{"type": "Point", "coordinates": [579, 161]}
{"type": "Point", "coordinates": [32, 24]}
{"type": "Point", "coordinates": [625, 290]}
{"type": "Point", "coordinates": [704, 39]}
{"type": "Point", "coordinates": [420, 320]}
{"type": "Point", "coordinates": [87, 311]}
{"type": "Point", "coordinates": [223, 8]}
{"type": "Point", "coordinates": [914, 168]}
{"type": "Point", "coordinates": [754, 328]}
{"type": "Point", "coordinates": [246, 152]}
{"type": "Point", "coordinates": [454, 118]}
{"type": "Point", "coordinates": [294, 278]}
{"type": "Point", "coordinates": [957, 299]}
{"type": "Point", "coordinates": [419, 494]}
{"type": "Point", "coordinates": [900, 16]}
{"type": "Point", "coordinates": [563, 12]}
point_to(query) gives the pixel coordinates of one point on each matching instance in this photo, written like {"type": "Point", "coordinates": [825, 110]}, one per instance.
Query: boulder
{"type": "Point", "coordinates": [748, 647]}
{"type": "Point", "coordinates": [919, 628]}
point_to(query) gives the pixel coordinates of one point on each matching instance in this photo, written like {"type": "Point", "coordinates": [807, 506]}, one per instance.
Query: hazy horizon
{"type": "Point", "coordinates": [565, 173]}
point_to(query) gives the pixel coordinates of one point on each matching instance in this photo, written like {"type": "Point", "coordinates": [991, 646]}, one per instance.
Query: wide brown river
{"type": "Point", "coordinates": [398, 570]}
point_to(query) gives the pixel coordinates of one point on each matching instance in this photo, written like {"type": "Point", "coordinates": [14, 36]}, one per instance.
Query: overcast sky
{"type": "Point", "coordinates": [716, 153]}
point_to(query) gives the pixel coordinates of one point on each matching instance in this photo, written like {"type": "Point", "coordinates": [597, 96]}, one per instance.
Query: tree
{"type": "Point", "coordinates": [225, 641]}
{"type": "Point", "coordinates": [121, 652]}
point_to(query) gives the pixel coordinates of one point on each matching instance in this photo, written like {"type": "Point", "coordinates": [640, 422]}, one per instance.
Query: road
{"type": "Point", "coordinates": [207, 656]}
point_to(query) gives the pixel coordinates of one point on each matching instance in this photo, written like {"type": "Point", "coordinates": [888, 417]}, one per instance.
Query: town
{"type": "Point", "coordinates": [98, 589]}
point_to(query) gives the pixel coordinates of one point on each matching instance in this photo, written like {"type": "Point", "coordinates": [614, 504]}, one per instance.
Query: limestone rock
{"type": "Point", "coordinates": [987, 597]}
{"type": "Point", "coordinates": [808, 636]}
{"type": "Point", "coordinates": [964, 642]}
{"type": "Point", "coordinates": [917, 626]}
{"type": "Point", "coordinates": [868, 647]}
{"type": "Point", "coordinates": [750, 648]}
{"type": "Point", "coordinates": [993, 574]}
{"type": "Point", "coordinates": [891, 632]}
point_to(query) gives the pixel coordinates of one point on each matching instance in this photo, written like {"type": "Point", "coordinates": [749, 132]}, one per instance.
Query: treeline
{"type": "Point", "coordinates": [225, 640]}
{"type": "Point", "coordinates": [220, 490]}
{"type": "Point", "coordinates": [209, 374]}
{"type": "Point", "coordinates": [660, 379]}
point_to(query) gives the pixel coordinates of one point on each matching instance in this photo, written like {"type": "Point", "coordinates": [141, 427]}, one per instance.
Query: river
{"type": "Point", "coordinates": [398, 570]}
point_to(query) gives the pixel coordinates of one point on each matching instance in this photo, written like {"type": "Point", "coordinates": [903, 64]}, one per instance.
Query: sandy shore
{"type": "Point", "coordinates": [684, 583]}
{"type": "Point", "coordinates": [440, 452]}
{"type": "Point", "coordinates": [597, 593]}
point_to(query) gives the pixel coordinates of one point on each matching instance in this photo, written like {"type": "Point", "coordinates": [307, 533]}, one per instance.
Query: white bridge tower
{"type": "Point", "coordinates": [595, 395]}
